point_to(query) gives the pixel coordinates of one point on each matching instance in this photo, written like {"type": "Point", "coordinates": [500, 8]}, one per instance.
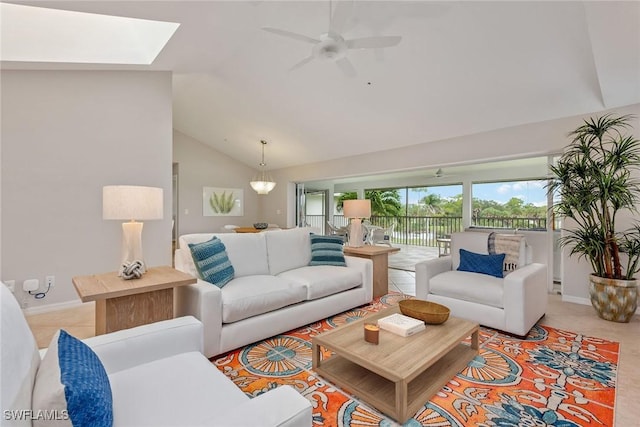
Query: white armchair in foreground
{"type": "Point", "coordinates": [157, 376]}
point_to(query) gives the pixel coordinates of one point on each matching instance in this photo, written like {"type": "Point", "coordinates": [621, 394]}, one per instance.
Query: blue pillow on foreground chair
{"type": "Point", "coordinates": [480, 263]}
{"type": "Point", "coordinates": [72, 384]}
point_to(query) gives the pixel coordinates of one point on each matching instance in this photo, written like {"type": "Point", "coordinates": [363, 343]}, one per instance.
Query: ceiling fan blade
{"type": "Point", "coordinates": [341, 15]}
{"type": "Point", "coordinates": [301, 63]}
{"type": "Point", "coordinates": [347, 67]}
{"type": "Point", "coordinates": [289, 34]}
{"type": "Point", "coordinates": [373, 42]}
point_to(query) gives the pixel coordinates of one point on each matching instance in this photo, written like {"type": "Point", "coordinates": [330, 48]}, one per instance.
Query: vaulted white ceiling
{"type": "Point", "coordinates": [461, 68]}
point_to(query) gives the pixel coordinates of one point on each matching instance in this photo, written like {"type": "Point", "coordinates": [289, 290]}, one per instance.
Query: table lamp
{"type": "Point", "coordinates": [130, 202]}
{"type": "Point", "coordinates": [356, 210]}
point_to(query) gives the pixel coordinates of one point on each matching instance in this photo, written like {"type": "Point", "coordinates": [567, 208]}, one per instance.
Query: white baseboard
{"type": "Point", "coordinates": [576, 300]}
{"type": "Point", "coordinates": [52, 307]}
{"type": "Point", "coordinates": [583, 301]}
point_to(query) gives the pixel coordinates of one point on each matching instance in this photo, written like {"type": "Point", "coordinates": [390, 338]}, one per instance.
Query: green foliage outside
{"type": "Point", "coordinates": [434, 205]}
{"type": "Point", "coordinates": [440, 216]}
{"type": "Point", "coordinates": [383, 202]}
{"type": "Point", "coordinates": [388, 203]}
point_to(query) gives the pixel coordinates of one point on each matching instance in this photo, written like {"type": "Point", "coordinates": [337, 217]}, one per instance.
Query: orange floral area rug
{"type": "Point", "coordinates": [551, 378]}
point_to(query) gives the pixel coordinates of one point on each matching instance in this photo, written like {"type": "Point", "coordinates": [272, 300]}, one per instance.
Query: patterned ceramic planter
{"type": "Point", "coordinates": [614, 299]}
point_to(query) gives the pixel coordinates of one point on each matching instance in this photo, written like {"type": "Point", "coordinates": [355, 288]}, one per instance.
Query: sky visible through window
{"type": "Point", "coordinates": [532, 192]}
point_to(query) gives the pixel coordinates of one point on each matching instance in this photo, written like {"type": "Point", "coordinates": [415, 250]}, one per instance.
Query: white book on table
{"type": "Point", "coordinates": [401, 325]}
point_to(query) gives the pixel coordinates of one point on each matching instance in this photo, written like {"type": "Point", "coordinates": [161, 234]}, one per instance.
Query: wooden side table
{"type": "Point", "coordinates": [379, 255]}
{"type": "Point", "coordinates": [444, 247]}
{"type": "Point", "coordinates": [122, 304]}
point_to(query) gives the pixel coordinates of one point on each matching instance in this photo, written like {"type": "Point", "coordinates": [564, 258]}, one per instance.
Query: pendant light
{"type": "Point", "coordinates": [262, 183]}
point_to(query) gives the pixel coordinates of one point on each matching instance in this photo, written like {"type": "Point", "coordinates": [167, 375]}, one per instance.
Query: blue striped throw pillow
{"type": "Point", "coordinates": [327, 250]}
{"type": "Point", "coordinates": [212, 262]}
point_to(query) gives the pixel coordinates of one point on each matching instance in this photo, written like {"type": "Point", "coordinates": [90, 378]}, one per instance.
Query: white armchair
{"type": "Point", "coordinates": [378, 235]}
{"type": "Point", "coordinates": [512, 304]}
{"type": "Point", "coordinates": [157, 375]}
{"type": "Point", "coordinates": [338, 231]}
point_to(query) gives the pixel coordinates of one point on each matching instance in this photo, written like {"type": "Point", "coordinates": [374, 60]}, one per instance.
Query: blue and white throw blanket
{"type": "Point", "coordinates": [508, 244]}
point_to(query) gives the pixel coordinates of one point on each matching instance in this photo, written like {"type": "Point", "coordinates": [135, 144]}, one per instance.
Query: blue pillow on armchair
{"type": "Point", "coordinates": [480, 263]}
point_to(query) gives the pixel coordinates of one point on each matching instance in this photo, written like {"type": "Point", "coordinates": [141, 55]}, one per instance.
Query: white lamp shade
{"type": "Point", "coordinates": [130, 202]}
{"type": "Point", "coordinates": [262, 187]}
{"type": "Point", "coordinates": [360, 208]}
{"type": "Point", "coordinates": [262, 183]}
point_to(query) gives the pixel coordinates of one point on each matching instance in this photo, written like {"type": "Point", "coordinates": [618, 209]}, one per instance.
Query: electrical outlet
{"type": "Point", "coordinates": [50, 281]}
{"type": "Point", "coordinates": [31, 285]}
{"type": "Point", "coordinates": [11, 284]}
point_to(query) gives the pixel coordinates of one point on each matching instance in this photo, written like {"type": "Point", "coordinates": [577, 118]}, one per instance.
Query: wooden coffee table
{"type": "Point", "coordinates": [399, 375]}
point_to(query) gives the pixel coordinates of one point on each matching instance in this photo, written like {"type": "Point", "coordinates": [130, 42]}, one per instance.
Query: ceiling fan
{"type": "Point", "coordinates": [440, 174]}
{"type": "Point", "coordinates": [331, 46]}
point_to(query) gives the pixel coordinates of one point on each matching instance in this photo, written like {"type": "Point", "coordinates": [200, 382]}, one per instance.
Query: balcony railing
{"type": "Point", "coordinates": [424, 230]}
{"type": "Point", "coordinates": [512, 222]}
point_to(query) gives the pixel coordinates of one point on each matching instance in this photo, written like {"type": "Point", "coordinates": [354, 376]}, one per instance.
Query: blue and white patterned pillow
{"type": "Point", "coordinates": [327, 250]}
{"type": "Point", "coordinates": [212, 261]}
{"type": "Point", "coordinates": [480, 263]}
{"type": "Point", "coordinates": [72, 386]}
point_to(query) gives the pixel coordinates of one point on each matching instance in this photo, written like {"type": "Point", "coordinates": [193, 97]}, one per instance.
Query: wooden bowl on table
{"type": "Point", "coordinates": [427, 311]}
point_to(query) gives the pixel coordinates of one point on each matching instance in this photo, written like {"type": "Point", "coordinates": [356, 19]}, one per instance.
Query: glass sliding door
{"type": "Point", "coordinates": [316, 209]}
{"type": "Point", "coordinates": [312, 209]}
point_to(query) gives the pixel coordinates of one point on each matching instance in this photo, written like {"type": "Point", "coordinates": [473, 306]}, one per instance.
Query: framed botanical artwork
{"type": "Point", "coordinates": [217, 201]}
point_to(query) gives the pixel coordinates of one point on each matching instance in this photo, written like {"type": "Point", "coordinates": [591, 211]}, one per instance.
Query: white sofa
{"type": "Point", "coordinates": [157, 374]}
{"type": "Point", "coordinates": [512, 304]}
{"type": "Point", "coordinates": [274, 289]}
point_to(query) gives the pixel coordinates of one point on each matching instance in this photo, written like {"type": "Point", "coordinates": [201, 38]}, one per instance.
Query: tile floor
{"type": "Point", "coordinates": [562, 315]}
{"type": "Point", "coordinates": [409, 255]}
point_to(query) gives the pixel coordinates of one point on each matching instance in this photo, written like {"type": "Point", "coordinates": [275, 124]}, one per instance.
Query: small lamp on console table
{"type": "Point", "coordinates": [130, 202]}
{"type": "Point", "coordinates": [356, 210]}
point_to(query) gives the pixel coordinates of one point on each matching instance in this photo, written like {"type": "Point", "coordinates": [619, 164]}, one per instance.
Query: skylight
{"type": "Point", "coordinates": [37, 34]}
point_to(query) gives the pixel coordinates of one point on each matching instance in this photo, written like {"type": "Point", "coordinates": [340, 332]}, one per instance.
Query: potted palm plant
{"type": "Point", "coordinates": [596, 179]}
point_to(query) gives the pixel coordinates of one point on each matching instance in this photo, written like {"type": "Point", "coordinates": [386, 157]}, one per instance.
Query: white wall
{"type": "Point", "coordinates": [314, 204]}
{"type": "Point", "coordinates": [66, 134]}
{"type": "Point", "coordinates": [201, 166]}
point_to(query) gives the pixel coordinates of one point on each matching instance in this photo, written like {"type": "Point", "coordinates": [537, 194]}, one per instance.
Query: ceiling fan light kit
{"type": "Point", "coordinates": [262, 183]}
{"type": "Point", "coordinates": [442, 174]}
{"type": "Point", "coordinates": [332, 46]}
